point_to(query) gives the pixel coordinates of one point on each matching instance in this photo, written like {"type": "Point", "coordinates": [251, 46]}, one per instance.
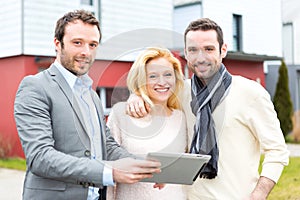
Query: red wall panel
{"type": "Point", "coordinates": [109, 73]}
{"type": "Point", "coordinates": [13, 70]}
{"type": "Point", "coordinates": [249, 69]}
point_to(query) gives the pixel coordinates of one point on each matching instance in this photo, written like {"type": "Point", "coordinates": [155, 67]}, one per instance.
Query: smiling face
{"type": "Point", "coordinates": [161, 80]}
{"type": "Point", "coordinates": [78, 51]}
{"type": "Point", "coordinates": [203, 53]}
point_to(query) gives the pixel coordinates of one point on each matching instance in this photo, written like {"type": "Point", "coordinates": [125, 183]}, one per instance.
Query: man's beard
{"type": "Point", "coordinates": [69, 63]}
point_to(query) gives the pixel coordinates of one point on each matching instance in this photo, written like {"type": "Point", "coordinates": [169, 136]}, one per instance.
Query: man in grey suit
{"type": "Point", "coordinates": [61, 124]}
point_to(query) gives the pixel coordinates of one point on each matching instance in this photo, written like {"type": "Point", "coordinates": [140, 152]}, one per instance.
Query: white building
{"type": "Point", "coordinates": [291, 31]}
{"type": "Point", "coordinates": [28, 25]}
{"type": "Point", "coordinates": [249, 26]}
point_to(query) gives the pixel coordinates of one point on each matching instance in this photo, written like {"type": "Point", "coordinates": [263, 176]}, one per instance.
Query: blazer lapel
{"type": "Point", "coordinates": [64, 86]}
{"type": "Point", "coordinates": [102, 123]}
{"type": "Point", "coordinates": [58, 77]}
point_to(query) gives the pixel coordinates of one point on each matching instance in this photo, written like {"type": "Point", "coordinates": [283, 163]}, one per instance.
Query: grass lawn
{"type": "Point", "coordinates": [13, 163]}
{"type": "Point", "coordinates": [287, 188]}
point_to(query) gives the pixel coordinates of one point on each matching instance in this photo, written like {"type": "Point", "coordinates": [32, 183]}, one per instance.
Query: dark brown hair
{"type": "Point", "coordinates": [83, 15]}
{"type": "Point", "coordinates": [205, 24]}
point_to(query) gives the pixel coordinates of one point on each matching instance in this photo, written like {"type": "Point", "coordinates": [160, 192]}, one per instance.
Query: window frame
{"type": "Point", "coordinates": [237, 44]}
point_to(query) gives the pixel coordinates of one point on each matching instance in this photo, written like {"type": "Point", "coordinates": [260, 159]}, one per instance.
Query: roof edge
{"type": "Point", "coordinates": [237, 55]}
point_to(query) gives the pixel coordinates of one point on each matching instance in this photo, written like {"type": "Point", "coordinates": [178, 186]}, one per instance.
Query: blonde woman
{"type": "Point", "coordinates": [156, 76]}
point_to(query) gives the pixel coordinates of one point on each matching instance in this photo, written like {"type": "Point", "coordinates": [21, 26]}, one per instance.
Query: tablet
{"type": "Point", "coordinates": [177, 168]}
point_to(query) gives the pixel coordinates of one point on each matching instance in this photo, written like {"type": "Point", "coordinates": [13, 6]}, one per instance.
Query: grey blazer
{"type": "Point", "coordinates": [55, 141]}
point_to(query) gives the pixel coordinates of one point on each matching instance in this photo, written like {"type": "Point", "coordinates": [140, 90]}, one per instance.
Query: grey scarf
{"type": "Point", "coordinates": [205, 98]}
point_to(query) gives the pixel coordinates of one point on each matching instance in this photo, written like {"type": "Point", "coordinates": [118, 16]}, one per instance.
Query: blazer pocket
{"type": "Point", "coordinates": [36, 182]}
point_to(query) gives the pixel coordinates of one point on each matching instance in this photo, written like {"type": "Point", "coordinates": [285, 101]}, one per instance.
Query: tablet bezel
{"type": "Point", "coordinates": [177, 168]}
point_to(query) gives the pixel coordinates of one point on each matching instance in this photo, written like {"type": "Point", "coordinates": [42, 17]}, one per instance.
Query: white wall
{"type": "Point", "coordinates": [130, 25]}
{"type": "Point", "coordinates": [183, 15]}
{"type": "Point", "coordinates": [27, 27]}
{"type": "Point", "coordinates": [11, 28]}
{"type": "Point", "coordinates": [40, 18]}
{"type": "Point", "coordinates": [119, 16]}
{"type": "Point", "coordinates": [261, 23]}
{"type": "Point", "coordinates": [135, 22]}
{"type": "Point", "coordinates": [141, 23]}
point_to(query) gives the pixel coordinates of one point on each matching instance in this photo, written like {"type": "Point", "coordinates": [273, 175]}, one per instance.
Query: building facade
{"type": "Point", "coordinates": [250, 29]}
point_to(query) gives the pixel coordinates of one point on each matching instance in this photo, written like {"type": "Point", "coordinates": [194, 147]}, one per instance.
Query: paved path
{"type": "Point", "coordinates": [11, 184]}
{"type": "Point", "coordinates": [294, 150]}
{"type": "Point", "coordinates": [11, 181]}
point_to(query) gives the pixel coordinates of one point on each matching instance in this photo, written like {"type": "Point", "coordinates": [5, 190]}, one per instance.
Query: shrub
{"type": "Point", "coordinates": [282, 100]}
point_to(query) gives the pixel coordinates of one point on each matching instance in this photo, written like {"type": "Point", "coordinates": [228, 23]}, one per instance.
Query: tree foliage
{"type": "Point", "coordinates": [282, 100]}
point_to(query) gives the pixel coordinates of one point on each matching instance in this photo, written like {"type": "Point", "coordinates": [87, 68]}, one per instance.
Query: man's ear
{"type": "Point", "coordinates": [184, 51]}
{"type": "Point", "coordinates": [224, 50]}
{"type": "Point", "coordinates": [57, 44]}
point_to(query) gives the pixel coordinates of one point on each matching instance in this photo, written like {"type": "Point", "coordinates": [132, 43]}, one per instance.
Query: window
{"type": "Point", "coordinates": [86, 2]}
{"type": "Point", "coordinates": [110, 96]}
{"type": "Point", "coordinates": [288, 40]}
{"type": "Point", "coordinates": [237, 33]}
{"type": "Point", "coordinates": [185, 13]}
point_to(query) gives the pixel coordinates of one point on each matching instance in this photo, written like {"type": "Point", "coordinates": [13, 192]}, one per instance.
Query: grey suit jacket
{"type": "Point", "coordinates": [55, 141]}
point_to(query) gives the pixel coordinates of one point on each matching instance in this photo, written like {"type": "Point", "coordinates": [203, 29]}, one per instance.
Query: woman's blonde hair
{"type": "Point", "coordinates": [136, 79]}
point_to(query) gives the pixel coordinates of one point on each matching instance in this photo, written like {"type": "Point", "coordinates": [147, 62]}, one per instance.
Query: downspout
{"type": "Point", "coordinates": [22, 27]}
{"type": "Point", "coordinates": [99, 13]}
